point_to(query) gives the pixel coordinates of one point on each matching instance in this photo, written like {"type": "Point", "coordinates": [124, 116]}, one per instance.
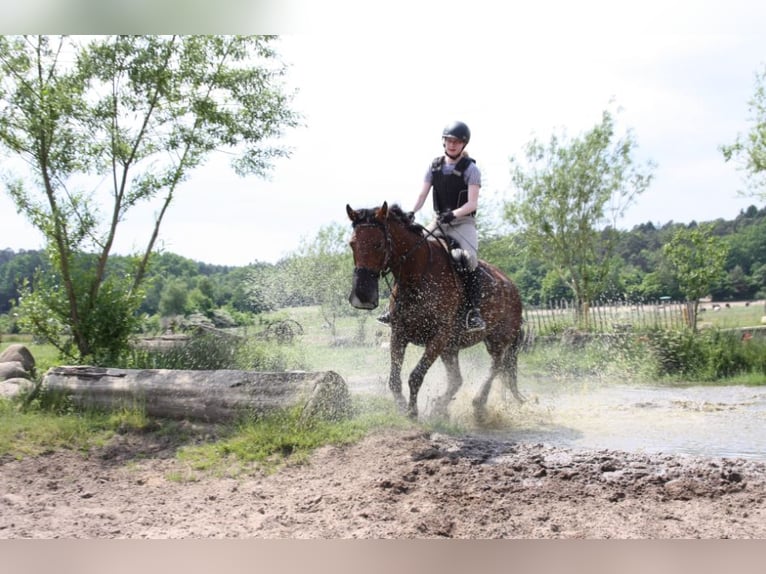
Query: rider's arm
{"type": "Point", "coordinates": [422, 197]}
{"type": "Point", "coordinates": [469, 206]}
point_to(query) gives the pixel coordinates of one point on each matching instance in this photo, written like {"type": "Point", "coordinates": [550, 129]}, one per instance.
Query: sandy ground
{"type": "Point", "coordinates": [403, 484]}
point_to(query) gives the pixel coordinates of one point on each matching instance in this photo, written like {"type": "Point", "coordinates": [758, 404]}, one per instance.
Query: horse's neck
{"type": "Point", "coordinates": [414, 254]}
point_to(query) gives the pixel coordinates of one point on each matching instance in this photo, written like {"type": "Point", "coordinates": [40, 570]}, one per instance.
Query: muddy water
{"type": "Point", "coordinates": [716, 421]}
{"type": "Point", "coordinates": [728, 421]}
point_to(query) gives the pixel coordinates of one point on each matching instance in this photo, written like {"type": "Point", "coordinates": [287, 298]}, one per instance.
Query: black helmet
{"type": "Point", "coordinates": [457, 130]}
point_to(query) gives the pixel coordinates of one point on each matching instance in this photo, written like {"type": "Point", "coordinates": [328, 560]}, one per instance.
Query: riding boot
{"type": "Point", "coordinates": [473, 319]}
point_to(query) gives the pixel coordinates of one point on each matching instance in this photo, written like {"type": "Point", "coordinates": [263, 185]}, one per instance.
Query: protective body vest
{"type": "Point", "coordinates": [449, 191]}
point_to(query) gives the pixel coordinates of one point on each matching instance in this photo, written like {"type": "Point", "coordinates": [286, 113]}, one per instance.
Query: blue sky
{"type": "Point", "coordinates": [375, 98]}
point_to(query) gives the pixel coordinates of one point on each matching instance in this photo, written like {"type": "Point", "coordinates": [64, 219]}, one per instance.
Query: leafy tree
{"type": "Point", "coordinates": [653, 286]}
{"type": "Point", "coordinates": [630, 280]}
{"type": "Point", "coordinates": [13, 271]}
{"type": "Point", "coordinates": [750, 150]}
{"type": "Point", "coordinates": [570, 194]}
{"type": "Point", "coordinates": [175, 298]}
{"type": "Point", "coordinates": [132, 117]}
{"type": "Point", "coordinates": [323, 270]}
{"type": "Point", "coordinates": [697, 258]}
{"type": "Point", "coordinates": [554, 288]}
{"type": "Point", "coordinates": [758, 279]}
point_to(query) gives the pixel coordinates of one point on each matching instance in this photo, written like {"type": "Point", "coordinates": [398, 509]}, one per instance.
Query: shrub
{"type": "Point", "coordinates": [708, 355]}
{"type": "Point", "coordinates": [212, 352]}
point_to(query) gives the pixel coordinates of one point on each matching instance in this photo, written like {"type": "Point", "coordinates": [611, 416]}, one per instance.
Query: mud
{"type": "Point", "coordinates": [403, 484]}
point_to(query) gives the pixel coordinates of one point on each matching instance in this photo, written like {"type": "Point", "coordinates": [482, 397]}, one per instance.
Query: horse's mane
{"type": "Point", "coordinates": [396, 213]}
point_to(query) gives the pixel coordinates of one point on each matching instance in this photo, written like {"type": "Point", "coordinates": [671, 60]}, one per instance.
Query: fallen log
{"type": "Point", "coordinates": [212, 396]}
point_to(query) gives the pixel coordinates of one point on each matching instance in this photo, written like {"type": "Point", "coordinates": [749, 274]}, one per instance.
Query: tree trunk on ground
{"type": "Point", "coordinates": [213, 396]}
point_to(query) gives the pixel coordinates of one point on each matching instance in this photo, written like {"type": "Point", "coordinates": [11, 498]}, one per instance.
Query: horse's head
{"type": "Point", "coordinates": [370, 245]}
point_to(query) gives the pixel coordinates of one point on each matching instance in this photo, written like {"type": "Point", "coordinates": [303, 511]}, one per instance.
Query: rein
{"type": "Point", "coordinates": [389, 262]}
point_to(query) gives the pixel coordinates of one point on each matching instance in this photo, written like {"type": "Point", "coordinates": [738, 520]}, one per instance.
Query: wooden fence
{"type": "Point", "coordinates": [605, 317]}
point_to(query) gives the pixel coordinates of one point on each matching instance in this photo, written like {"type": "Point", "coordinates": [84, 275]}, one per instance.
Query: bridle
{"type": "Point", "coordinates": [389, 261]}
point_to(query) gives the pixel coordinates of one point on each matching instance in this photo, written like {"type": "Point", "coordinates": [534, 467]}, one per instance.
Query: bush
{"type": "Point", "coordinates": [209, 352]}
{"type": "Point", "coordinates": [657, 353]}
{"type": "Point", "coordinates": [708, 355]}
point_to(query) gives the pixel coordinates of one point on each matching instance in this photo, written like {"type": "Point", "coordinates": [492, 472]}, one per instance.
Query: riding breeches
{"type": "Point", "coordinates": [463, 231]}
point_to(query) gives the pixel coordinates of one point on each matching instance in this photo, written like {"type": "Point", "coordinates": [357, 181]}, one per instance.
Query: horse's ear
{"type": "Point", "coordinates": [351, 213]}
{"type": "Point", "coordinates": [382, 212]}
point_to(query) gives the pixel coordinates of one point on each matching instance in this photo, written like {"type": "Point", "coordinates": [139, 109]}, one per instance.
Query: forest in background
{"type": "Point", "coordinates": [310, 275]}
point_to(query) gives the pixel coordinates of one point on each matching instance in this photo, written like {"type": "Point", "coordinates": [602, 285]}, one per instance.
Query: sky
{"type": "Point", "coordinates": [374, 100]}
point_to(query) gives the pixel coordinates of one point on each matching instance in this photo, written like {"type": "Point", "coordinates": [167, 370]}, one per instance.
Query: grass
{"type": "Point", "coordinates": [735, 316]}
{"type": "Point", "coordinates": [667, 316]}
{"type": "Point", "coordinates": [264, 444]}
{"type": "Point", "coordinates": [30, 432]}
{"type": "Point", "coordinates": [46, 355]}
{"type": "Point", "coordinates": [268, 443]}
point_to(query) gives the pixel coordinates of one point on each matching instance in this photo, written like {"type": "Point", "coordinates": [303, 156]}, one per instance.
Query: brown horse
{"type": "Point", "coordinates": [430, 304]}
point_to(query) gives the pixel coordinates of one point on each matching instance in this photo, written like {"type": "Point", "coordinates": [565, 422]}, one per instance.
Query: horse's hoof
{"type": "Point", "coordinates": [401, 403]}
{"type": "Point", "coordinates": [480, 414]}
{"type": "Point", "coordinates": [441, 411]}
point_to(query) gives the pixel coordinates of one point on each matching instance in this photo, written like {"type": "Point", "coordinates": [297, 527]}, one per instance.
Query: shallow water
{"type": "Point", "coordinates": [716, 421]}
{"type": "Point", "coordinates": [713, 421]}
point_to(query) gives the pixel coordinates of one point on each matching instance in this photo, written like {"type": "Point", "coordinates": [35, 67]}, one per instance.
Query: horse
{"type": "Point", "coordinates": [430, 304]}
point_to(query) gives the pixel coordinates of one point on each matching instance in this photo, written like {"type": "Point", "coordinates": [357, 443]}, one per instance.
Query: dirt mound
{"type": "Point", "coordinates": [390, 485]}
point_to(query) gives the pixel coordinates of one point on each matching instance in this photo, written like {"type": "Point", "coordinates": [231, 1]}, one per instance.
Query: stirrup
{"type": "Point", "coordinates": [473, 321]}
{"type": "Point", "coordinates": [384, 318]}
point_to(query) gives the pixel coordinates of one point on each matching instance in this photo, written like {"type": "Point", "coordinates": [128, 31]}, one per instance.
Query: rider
{"type": "Point", "coordinates": [456, 181]}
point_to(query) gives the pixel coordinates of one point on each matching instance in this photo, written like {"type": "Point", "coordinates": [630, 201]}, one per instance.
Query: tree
{"type": "Point", "coordinates": [697, 258]}
{"type": "Point", "coordinates": [570, 195]}
{"type": "Point", "coordinates": [321, 271]}
{"type": "Point", "coordinates": [138, 114]}
{"type": "Point", "coordinates": [750, 150]}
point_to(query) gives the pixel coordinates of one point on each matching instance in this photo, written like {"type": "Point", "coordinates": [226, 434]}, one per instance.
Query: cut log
{"type": "Point", "coordinates": [213, 396]}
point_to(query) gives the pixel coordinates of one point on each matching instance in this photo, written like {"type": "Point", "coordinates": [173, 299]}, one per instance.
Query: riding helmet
{"type": "Point", "coordinates": [457, 130]}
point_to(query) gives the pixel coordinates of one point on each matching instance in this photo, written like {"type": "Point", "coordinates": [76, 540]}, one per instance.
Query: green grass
{"type": "Point", "coordinates": [45, 355]}
{"type": "Point", "coordinates": [270, 442]}
{"type": "Point", "coordinates": [34, 431]}
{"type": "Point", "coordinates": [736, 316]}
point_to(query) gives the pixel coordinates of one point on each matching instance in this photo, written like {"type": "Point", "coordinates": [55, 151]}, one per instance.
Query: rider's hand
{"type": "Point", "coordinates": [446, 217]}
{"type": "Point", "coordinates": [411, 215]}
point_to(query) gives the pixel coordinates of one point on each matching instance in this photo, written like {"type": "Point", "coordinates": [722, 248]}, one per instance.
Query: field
{"type": "Point", "coordinates": [409, 480]}
{"type": "Point", "coordinates": [669, 315]}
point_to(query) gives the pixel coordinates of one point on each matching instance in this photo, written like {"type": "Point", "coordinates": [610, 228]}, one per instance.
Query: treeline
{"type": "Point", "coordinates": [639, 272]}
{"type": "Point", "coordinates": [175, 285]}
{"type": "Point", "coordinates": [638, 269]}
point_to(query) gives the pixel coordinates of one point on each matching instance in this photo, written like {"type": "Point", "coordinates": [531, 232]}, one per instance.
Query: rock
{"type": "Point", "coordinates": [11, 388]}
{"type": "Point", "coordinates": [18, 352]}
{"type": "Point", "coordinates": [12, 370]}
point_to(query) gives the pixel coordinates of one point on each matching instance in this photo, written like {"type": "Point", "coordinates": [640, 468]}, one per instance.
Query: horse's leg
{"type": "Point", "coordinates": [398, 346]}
{"type": "Point", "coordinates": [496, 349]}
{"type": "Point", "coordinates": [433, 350]}
{"type": "Point", "coordinates": [510, 368]}
{"type": "Point", "coordinates": [454, 381]}
{"type": "Point", "coordinates": [480, 400]}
